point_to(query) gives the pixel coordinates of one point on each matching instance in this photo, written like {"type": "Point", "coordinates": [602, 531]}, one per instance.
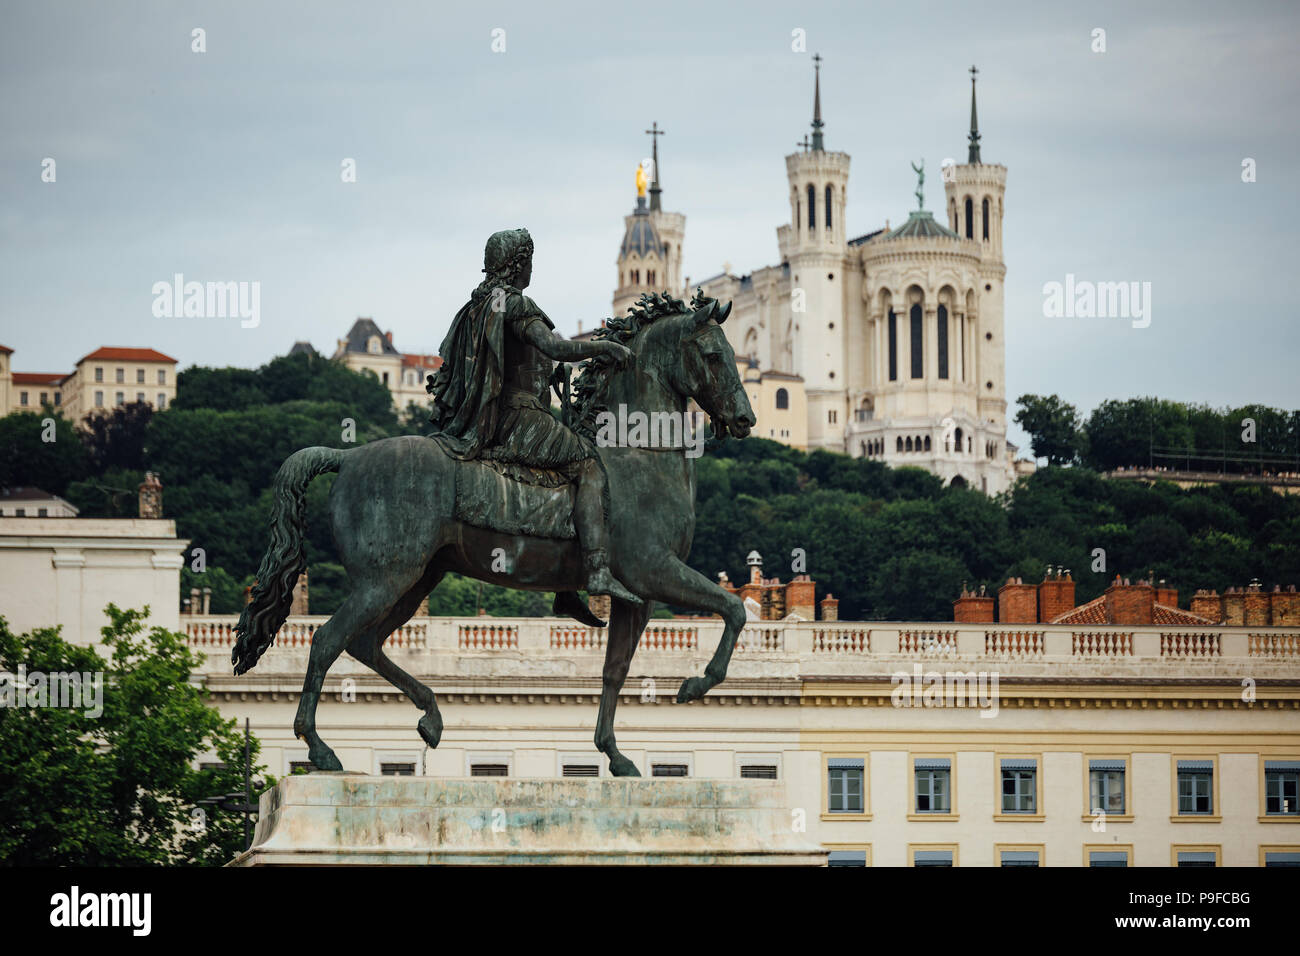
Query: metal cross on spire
{"type": "Point", "coordinates": [654, 132]}
{"type": "Point", "coordinates": [973, 155]}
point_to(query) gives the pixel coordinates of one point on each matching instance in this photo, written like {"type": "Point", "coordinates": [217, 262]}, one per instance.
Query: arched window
{"type": "Point", "coordinates": [970, 216]}
{"type": "Point", "coordinates": [812, 207]}
{"type": "Point", "coordinates": [909, 443]}
{"type": "Point", "coordinates": [918, 442]}
{"type": "Point", "coordinates": [927, 442]}
{"type": "Point", "coordinates": [986, 217]}
{"type": "Point", "coordinates": [918, 356]}
{"type": "Point", "coordinates": [828, 207]}
{"type": "Point", "coordinates": [798, 211]}
{"type": "Point", "coordinates": [942, 340]}
{"type": "Point", "coordinates": [782, 398]}
{"type": "Point", "coordinates": [957, 435]}
{"type": "Point", "coordinates": [893, 348]}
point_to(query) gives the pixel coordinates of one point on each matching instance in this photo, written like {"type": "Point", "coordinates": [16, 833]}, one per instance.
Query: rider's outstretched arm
{"type": "Point", "coordinates": [559, 349]}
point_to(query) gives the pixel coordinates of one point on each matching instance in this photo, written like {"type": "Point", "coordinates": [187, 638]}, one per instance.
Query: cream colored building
{"type": "Point", "coordinates": [897, 334]}
{"type": "Point", "coordinates": [779, 403]}
{"type": "Point", "coordinates": [367, 349]}
{"type": "Point", "coordinates": [106, 378]}
{"type": "Point", "coordinates": [1155, 725]}
{"type": "Point", "coordinates": [64, 571]}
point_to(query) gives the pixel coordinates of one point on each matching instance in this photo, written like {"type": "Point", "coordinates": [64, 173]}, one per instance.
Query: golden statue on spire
{"type": "Point", "coordinates": [640, 181]}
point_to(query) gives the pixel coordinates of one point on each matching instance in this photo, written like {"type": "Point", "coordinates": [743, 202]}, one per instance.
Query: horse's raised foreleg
{"type": "Point", "coordinates": [674, 582]}
{"type": "Point", "coordinates": [625, 626]}
{"type": "Point", "coordinates": [368, 648]}
{"type": "Point", "coordinates": [363, 609]}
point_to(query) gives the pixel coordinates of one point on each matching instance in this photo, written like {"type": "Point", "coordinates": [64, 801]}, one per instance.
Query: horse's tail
{"type": "Point", "coordinates": [272, 594]}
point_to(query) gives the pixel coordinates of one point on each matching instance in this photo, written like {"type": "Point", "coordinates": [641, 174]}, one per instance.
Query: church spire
{"type": "Point", "coordinates": [654, 132]}
{"type": "Point", "coordinates": [817, 104]}
{"type": "Point", "coordinates": [974, 154]}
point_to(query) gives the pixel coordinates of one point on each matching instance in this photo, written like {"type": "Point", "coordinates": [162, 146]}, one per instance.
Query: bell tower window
{"type": "Point", "coordinates": [970, 216]}
{"type": "Point", "coordinates": [828, 207]}
{"type": "Point", "coordinates": [812, 206]}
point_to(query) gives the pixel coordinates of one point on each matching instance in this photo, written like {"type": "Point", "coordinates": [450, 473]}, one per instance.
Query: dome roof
{"type": "Point", "coordinates": [641, 236]}
{"type": "Point", "coordinates": [921, 223]}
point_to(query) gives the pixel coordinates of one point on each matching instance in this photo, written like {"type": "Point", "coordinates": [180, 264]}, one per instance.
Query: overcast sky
{"type": "Point", "coordinates": [225, 165]}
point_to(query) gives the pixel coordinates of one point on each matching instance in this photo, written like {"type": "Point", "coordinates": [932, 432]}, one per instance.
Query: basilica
{"type": "Point", "coordinates": [886, 345]}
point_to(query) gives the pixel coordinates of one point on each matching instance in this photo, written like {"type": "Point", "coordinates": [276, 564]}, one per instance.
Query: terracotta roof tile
{"type": "Point", "coordinates": [1162, 614]}
{"type": "Point", "coordinates": [1094, 612]}
{"type": "Point", "coordinates": [412, 360]}
{"type": "Point", "coordinates": [111, 353]}
{"type": "Point", "coordinates": [39, 378]}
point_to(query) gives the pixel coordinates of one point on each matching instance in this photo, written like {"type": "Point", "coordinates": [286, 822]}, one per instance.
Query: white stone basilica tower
{"type": "Point", "coordinates": [895, 336]}
{"type": "Point", "coordinates": [814, 245]}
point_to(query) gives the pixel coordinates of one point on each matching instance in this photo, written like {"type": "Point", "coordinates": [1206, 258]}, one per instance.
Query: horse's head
{"type": "Point", "coordinates": [705, 369]}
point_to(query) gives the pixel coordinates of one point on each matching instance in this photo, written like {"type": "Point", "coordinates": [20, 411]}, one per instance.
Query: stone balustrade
{"type": "Point", "coordinates": [794, 649]}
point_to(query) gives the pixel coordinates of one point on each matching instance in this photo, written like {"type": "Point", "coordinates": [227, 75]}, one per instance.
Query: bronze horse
{"type": "Point", "coordinates": [393, 513]}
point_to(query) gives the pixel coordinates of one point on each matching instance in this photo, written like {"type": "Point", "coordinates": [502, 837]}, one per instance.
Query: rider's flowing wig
{"type": "Point", "coordinates": [504, 257]}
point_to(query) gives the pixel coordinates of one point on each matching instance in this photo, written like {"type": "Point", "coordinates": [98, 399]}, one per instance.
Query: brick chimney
{"type": "Point", "coordinates": [1234, 607]}
{"type": "Point", "coordinates": [1055, 594]}
{"type": "Point", "coordinates": [389, 335]}
{"type": "Point", "coordinates": [830, 608]}
{"type": "Point", "coordinates": [1256, 606]}
{"type": "Point", "coordinates": [1166, 595]}
{"type": "Point", "coordinates": [1285, 606]}
{"type": "Point", "coordinates": [299, 605]}
{"type": "Point", "coordinates": [801, 597]}
{"type": "Point", "coordinates": [1207, 604]}
{"type": "Point", "coordinates": [151, 496]}
{"type": "Point", "coordinates": [972, 608]}
{"type": "Point", "coordinates": [1130, 604]}
{"type": "Point", "coordinates": [754, 587]}
{"type": "Point", "coordinates": [1017, 602]}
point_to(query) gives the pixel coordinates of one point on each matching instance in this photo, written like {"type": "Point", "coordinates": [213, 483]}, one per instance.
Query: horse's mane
{"type": "Point", "coordinates": [592, 384]}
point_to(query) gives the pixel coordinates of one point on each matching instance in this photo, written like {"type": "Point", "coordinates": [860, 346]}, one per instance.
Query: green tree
{"type": "Point", "coordinates": [27, 458]}
{"type": "Point", "coordinates": [118, 788]}
{"type": "Point", "coordinates": [116, 438]}
{"type": "Point", "coordinates": [1053, 426]}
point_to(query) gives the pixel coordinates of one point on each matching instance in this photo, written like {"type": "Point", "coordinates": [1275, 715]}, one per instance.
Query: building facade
{"type": "Point", "coordinates": [105, 379]}
{"type": "Point", "coordinates": [367, 349]}
{"type": "Point", "coordinates": [901, 743]}
{"type": "Point", "coordinates": [896, 336]}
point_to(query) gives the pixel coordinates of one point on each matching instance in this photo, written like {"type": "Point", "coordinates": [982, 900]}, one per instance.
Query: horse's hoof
{"type": "Point", "coordinates": [430, 728]}
{"type": "Point", "coordinates": [326, 761]}
{"type": "Point", "coordinates": [620, 766]}
{"type": "Point", "coordinates": [693, 688]}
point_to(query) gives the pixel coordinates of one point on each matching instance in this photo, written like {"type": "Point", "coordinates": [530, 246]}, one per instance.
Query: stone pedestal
{"type": "Point", "coordinates": [346, 819]}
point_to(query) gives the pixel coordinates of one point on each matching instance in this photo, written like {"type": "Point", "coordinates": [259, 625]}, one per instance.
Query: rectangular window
{"type": "Point", "coordinates": [1195, 787]}
{"type": "Point", "coordinates": [844, 785]}
{"type": "Point", "coordinates": [933, 786]}
{"type": "Point", "coordinates": [162, 376]}
{"type": "Point", "coordinates": [846, 858]}
{"type": "Point", "coordinates": [1281, 858]}
{"type": "Point", "coordinates": [932, 857]}
{"type": "Point", "coordinates": [1106, 786]}
{"type": "Point", "coordinates": [301, 766]}
{"type": "Point", "coordinates": [918, 353]}
{"type": "Point", "coordinates": [121, 375]}
{"type": "Point", "coordinates": [489, 770]}
{"type": "Point", "coordinates": [1196, 858]}
{"type": "Point", "coordinates": [20, 512]}
{"type": "Point", "coordinates": [99, 399]}
{"type": "Point", "coordinates": [758, 772]}
{"type": "Point", "coordinates": [42, 512]}
{"type": "Point", "coordinates": [99, 375]}
{"type": "Point", "coordinates": [58, 398]}
{"type": "Point", "coordinates": [139, 376]}
{"type": "Point", "coordinates": [1019, 858]}
{"type": "Point", "coordinates": [668, 770]}
{"type": "Point", "coordinates": [45, 398]}
{"type": "Point", "coordinates": [22, 398]}
{"type": "Point", "coordinates": [1101, 858]}
{"type": "Point", "coordinates": [893, 346]}
{"type": "Point", "coordinates": [121, 398]}
{"type": "Point", "coordinates": [162, 401]}
{"type": "Point", "coordinates": [1281, 784]}
{"type": "Point", "coordinates": [942, 339]}
{"type": "Point", "coordinates": [397, 769]}
{"type": "Point", "coordinates": [1019, 786]}
{"type": "Point", "coordinates": [139, 396]}
{"type": "Point", "coordinates": [580, 770]}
